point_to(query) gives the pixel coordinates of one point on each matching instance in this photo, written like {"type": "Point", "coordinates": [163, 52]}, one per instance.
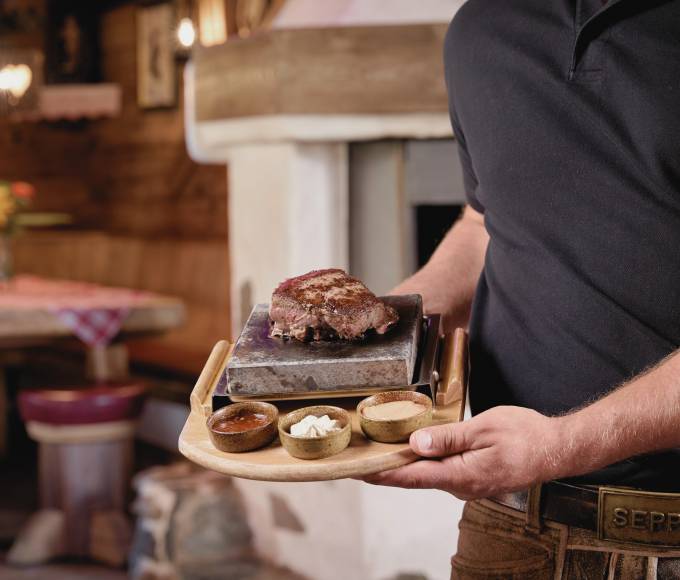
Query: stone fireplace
{"type": "Point", "coordinates": [339, 151]}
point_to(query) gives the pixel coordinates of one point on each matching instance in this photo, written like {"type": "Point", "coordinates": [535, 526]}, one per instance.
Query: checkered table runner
{"type": "Point", "coordinates": [94, 326]}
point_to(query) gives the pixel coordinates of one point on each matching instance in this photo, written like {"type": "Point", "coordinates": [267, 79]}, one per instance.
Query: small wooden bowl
{"type": "Point", "coordinates": [244, 440]}
{"type": "Point", "coordinates": [316, 447]}
{"type": "Point", "coordinates": [394, 430]}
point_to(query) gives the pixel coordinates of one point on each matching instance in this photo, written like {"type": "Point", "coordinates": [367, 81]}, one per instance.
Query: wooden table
{"type": "Point", "coordinates": [35, 326]}
{"type": "Point", "coordinates": [28, 304]}
{"type": "Point", "coordinates": [42, 312]}
{"type": "Point", "coordinates": [28, 317]}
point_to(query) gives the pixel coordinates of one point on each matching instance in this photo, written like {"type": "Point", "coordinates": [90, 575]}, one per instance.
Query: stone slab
{"type": "Point", "coordinates": [261, 365]}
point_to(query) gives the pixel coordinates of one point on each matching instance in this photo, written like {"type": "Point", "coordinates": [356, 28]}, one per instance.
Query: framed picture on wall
{"type": "Point", "coordinates": [72, 42]}
{"type": "Point", "coordinates": [156, 71]}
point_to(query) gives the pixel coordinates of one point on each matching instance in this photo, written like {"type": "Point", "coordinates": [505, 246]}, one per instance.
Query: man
{"type": "Point", "coordinates": [567, 121]}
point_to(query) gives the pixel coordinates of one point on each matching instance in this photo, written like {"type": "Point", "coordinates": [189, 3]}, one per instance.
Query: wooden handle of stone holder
{"type": "Point", "coordinates": [209, 377]}
{"type": "Point", "coordinates": [453, 374]}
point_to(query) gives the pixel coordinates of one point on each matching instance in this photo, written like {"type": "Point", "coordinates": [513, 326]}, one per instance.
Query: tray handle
{"type": "Point", "coordinates": [209, 377]}
{"type": "Point", "coordinates": [454, 370]}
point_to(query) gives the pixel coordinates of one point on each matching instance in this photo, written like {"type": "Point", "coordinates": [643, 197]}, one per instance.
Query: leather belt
{"type": "Point", "coordinates": [623, 515]}
{"type": "Point", "coordinates": [560, 502]}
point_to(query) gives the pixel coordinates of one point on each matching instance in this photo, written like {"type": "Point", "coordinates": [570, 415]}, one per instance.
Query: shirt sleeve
{"type": "Point", "coordinates": [470, 182]}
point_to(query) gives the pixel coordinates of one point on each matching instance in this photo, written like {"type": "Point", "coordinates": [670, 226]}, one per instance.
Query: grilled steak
{"type": "Point", "coordinates": [326, 304]}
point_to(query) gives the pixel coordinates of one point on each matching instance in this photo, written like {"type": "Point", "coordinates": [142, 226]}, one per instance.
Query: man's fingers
{"type": "Point", "coordinates": [418, 475]}
{"type": "Point", "coordinates": [440, 441]}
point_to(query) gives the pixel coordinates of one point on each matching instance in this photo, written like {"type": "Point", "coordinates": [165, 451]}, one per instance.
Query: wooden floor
{"type": "Point", "coordinates": [61, 571]}
{"type": "Point", "coordinates": [18, 499]}
{"type": "Point", "coordinates": [88, 571]}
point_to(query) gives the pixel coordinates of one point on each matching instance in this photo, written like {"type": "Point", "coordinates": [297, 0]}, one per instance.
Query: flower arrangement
{"type": "Point", "coordinates": [15, 196]}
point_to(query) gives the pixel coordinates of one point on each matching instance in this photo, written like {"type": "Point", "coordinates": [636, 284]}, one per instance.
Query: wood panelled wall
{"type": "Point", "coordinates": [55, 158]}
{"type": "Point", "coordinates": [128, 175]}
{"type": "Point", "coordinates": [129, 178]}
{"type": "Point", "coordinates": [144, 177]}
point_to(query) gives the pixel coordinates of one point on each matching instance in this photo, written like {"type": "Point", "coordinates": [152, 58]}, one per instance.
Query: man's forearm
{"type": "Point", "coordinates": [448, 281]}
{"type": "Point", "coordinates": [641, 416]}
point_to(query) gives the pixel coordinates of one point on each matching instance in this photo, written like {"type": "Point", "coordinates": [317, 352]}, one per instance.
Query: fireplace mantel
{"type": "Point", "coordinates": [367, 70]}
{"type": "Point", "coordinates": [317, 85]}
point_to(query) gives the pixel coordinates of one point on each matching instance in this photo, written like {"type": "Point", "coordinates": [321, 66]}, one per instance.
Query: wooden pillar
{"type": "Point", "coordinates": [288, 214]}
{"type": "Point", "coordinates": [107, 362]}
{"type": "Point", "coordinates": [84, 472]}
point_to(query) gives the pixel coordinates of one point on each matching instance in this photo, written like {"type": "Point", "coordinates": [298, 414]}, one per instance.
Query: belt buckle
{"type": "Point", "coordinates": [638, 517]}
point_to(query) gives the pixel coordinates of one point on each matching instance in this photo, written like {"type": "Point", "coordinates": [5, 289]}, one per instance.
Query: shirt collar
{"type": "Point", "coordinates": [598, 22]}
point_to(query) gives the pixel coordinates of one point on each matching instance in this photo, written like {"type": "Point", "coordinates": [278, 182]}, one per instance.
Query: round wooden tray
{"type": "Point", "coordinates": [273, 463]}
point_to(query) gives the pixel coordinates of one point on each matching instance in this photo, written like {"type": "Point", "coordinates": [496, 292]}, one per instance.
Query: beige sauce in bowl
{"type": "Point", "coordinates": [393, 411]}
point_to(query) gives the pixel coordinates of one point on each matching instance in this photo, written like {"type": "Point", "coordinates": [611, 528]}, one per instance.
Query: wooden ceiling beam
{"type": "Point", "coordinates": [358, 70]}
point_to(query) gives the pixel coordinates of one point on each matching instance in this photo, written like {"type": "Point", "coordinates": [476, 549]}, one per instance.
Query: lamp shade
{"type": "Point", "coordinates": [20, 80]}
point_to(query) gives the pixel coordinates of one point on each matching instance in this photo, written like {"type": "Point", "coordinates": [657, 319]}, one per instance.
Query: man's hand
{"type": "Point", "coordinates": [501, 450]}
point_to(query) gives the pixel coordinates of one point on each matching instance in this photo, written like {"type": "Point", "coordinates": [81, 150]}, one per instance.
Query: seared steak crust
{"type": "Point", "coordinates": [325, 304]}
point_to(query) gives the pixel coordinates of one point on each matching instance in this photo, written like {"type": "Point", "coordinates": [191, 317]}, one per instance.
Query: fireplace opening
{"type": "Point", "coordinates": [431, 224]}
{"type": "Point", "coordinates": [404, 195]}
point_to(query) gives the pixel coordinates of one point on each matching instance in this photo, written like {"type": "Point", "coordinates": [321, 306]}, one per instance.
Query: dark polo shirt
{"type": "Point", "coordinates": [568, 120]}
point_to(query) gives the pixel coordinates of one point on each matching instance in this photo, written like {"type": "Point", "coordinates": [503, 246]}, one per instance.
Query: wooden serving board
{"type": "Point", "coordinates": [272, 463]}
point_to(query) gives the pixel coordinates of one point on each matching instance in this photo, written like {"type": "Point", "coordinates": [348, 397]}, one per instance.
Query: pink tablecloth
{"type": "Point", "coordinates": [94, 313]}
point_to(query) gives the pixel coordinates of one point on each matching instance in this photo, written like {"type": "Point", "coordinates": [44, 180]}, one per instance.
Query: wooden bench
{"type": "Point", "coordinates": [195, 270]}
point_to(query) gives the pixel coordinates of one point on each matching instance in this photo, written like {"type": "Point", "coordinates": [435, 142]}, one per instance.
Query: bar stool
{"type": "Point", "coordinates": [85, 454]}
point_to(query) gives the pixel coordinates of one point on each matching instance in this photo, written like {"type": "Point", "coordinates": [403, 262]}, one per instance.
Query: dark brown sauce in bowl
{"type": "Point", "coordinates": [243, 427]}
{"type": "Point", "coordinates": [244, 421]}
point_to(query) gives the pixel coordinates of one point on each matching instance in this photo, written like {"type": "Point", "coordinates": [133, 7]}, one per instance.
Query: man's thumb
{"type": "Point", "coordinates": [438, 441]}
